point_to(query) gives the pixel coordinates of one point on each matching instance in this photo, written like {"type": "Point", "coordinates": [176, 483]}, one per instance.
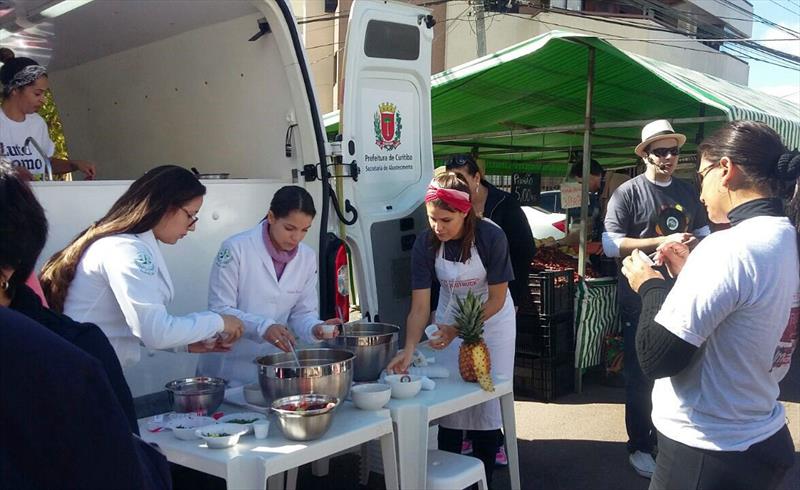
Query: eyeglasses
{"type": "Point", "coordinates": [665, 152]}
{"type": "Point", "coordinates": [192, 218]}
{"type": "Point", "coordinates": [702, 173]}
{"type": "Point", "coordinates": [457, 161]}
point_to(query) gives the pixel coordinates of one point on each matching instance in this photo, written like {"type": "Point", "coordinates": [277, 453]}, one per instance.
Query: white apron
{"type": "Point", "coordinates": [499, 333]}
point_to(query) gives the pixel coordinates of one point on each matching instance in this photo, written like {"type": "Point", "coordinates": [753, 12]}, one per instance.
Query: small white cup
{"type": "Point", "coordinates": [261, 428]}
{"type": "Point", "coordinates": [327, 330]}
{"type": "Point", "coordinates": [432, 329]}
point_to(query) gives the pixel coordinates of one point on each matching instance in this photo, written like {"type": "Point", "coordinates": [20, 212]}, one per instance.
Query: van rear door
{"type": "Point", "coordinates": [386, 131]}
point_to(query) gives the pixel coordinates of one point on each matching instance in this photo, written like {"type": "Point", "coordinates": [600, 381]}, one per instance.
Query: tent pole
{"type": "Point", "coordinates": [587, 157]}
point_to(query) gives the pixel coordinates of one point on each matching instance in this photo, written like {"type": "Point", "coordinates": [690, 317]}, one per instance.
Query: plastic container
{"type": "Point", "coordinates": [542, 378]}
{"type": "Point", "coordinates": [552, 292]}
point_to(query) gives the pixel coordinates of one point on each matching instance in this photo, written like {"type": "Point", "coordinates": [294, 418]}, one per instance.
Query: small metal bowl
{"type": "Point", "coordinates": [305, 425]}
{"type": "Point", "coordinates": [201, 395]}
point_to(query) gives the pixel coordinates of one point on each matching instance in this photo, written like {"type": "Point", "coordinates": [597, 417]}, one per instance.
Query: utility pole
{"type": "Point", "coordinates": [480, 27]}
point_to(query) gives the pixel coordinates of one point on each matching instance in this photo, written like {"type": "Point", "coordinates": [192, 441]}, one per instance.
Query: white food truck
{"type": "Point", "coordinates": [225, 86]}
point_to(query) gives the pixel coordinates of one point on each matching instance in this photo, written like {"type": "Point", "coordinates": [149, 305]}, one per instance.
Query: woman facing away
{"type": "Point", "coordinates": [114, 275]}
{"type": "Point", "coordinates": [719, 342]}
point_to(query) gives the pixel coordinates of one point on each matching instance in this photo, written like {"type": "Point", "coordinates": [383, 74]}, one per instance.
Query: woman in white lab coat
{"type": "Point", "coordinates": [113, 273]}
{"type": "Point", "coordinates": [462, 253]}
{"type": "Point", "coordinates": [267, 278]}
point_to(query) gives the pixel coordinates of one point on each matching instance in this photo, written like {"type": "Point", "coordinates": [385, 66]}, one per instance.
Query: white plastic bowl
{"type": "Point", "coordinates": [241, 416]}
{"type": "Point", "coordinates": [185, 428]}
{"type": "Point", "coordinates": [212, 435]}
{"type": "Point", "coordinates": [371, 396]}
{"type": "Point", "coordinates": [404, 385]}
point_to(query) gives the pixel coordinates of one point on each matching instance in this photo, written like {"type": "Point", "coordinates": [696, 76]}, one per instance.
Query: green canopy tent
{"type": "Point", "coordinates": [523, 108]}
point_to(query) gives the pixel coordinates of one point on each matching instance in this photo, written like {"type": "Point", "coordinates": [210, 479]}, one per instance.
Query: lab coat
{"type": "Point", "coordinates": [123, 286]}
{"type": "Point", "coordinates": [244, 284]}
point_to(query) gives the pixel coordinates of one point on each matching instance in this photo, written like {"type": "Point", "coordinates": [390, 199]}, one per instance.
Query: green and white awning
{"type": "Point", "coordinates": [522, 108]}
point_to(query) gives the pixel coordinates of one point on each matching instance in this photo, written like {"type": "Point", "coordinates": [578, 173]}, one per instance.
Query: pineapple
{"type": "Point", "coordinates": [474, 362]}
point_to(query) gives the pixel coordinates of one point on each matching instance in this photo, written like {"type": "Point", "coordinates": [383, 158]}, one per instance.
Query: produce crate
{"type": "Point", "coordinates": [546, 336]}
{"type": "Point", "coordinates": [543, 378]}
{"type": "Point", "coordinates": [552, 292]}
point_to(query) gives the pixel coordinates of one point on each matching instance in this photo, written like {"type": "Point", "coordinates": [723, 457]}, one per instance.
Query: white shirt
{"type": "Point", "coordinates": [244, 284]}
{"type": "Point", "coordinates": [12, 143]}
{"type": "Point", "coordinates": [122, 285]}
{"type": "Point", "coordinates": [733, 300]}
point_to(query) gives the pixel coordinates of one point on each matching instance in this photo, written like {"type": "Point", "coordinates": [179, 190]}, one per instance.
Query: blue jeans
{"type": "Point", "coordinates": [642, 434]}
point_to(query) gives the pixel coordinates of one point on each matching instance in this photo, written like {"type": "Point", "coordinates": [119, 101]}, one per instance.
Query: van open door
{"type": "Point", "coordinates": [386, 132]}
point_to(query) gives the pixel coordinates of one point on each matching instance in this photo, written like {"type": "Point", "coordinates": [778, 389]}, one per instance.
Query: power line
{"type": "Point", "coordinates": [784, 8]}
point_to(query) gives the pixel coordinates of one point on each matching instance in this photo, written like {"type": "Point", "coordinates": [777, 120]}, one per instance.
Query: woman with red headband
{"type": "Point", "coordinates": [462, 253]}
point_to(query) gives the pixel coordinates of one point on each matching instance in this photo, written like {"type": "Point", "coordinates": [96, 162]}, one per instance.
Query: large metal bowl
{"type": "Point", "coordinates": [324, 371]}
{"type": "Point", "coordinates": [374, 344]}
{"type": "Point", "coordinates": [200, 394]}
{"type": "Point", "coordinates": [304, 425]}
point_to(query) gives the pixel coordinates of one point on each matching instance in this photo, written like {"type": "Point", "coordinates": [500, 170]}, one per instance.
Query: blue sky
{"type": "Point", "coordinates": [769, 78]}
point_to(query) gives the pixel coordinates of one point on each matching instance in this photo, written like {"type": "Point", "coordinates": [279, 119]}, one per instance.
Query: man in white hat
{"type": "Point", "coordinates": [645, 212]}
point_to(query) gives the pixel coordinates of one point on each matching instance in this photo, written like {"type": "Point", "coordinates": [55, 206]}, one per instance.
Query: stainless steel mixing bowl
{"type": "Point", "coordinates": [200, 394]}
{"type": "Point", "coordinates": [374, 344]}
{"type": "Point", "coordinates": [324, 371]}
{"type": "Point", "coordinates": [304, 425]}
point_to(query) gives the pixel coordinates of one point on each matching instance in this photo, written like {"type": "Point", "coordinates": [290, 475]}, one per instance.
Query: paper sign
{"type": "Point", "coordinates": [570, 195]}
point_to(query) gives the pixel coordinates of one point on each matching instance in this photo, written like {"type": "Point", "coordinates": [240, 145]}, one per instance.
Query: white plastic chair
{"type": "Point", "coordinates": [451, 471]}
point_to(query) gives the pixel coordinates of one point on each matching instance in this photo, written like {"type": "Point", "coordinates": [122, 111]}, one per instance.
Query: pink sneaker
{"type": "Point", "coordinates": [500, 458]}
{"type": "Point", "coordinates": [466, 446]}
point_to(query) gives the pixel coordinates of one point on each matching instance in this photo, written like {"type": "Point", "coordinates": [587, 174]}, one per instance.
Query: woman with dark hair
{"type": "Point", "coordinates": [25, 86]}
{"type": "Point", "coordinates": [113, 273]}
{"type": "Point", "coordinates": [462, 253]}
{"type": "Point", "coordinates": [505, 211]}
{"type": "Point", "coordinates": [719, 342]}
{"type": "Point", "coordinates": [267, 278]}
{"type": "Point", "coordinates": [23, 233]}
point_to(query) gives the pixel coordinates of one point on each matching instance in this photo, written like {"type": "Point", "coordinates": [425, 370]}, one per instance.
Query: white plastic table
{"type": "Point", "coordinates": [248, 464]}
{"type": "Point", "coordinates": [412, 417]}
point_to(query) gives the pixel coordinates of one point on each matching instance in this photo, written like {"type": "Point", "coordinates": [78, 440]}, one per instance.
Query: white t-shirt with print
{"type": "Point", "coordinates": [733, 299]}
{"type": "Point", "coordinates": [12, 143]}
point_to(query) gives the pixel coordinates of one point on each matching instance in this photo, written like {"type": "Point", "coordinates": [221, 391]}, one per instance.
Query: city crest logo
{"type": "Point", "coordinates": [388, 126]}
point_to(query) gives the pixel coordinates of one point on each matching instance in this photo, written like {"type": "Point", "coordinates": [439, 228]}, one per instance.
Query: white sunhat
{"type": "Point", "coordinates": [657, 130]}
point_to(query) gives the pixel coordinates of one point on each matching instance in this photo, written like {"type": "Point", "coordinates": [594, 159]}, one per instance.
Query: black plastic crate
{"type": "Point", "coordinates": [543, 378]}
{"type": "Point", "coordinates": [546, 336]}
{"type": "Point", "coordinates": [552, 292]}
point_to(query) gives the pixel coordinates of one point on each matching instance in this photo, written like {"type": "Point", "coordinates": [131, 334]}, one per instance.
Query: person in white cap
{"type": "Point", "coordinates": [644, 213]}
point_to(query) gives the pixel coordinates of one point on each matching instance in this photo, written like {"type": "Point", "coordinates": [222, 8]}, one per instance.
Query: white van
{"type": "Point", "coordinates": [225, 86]}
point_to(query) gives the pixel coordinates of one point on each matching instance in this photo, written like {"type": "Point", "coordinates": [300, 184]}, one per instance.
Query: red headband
{"type": "Point", "coordinates": [458, 200]}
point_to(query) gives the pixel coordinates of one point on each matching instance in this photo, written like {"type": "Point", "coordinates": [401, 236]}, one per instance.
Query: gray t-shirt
{"type": "Point", "coordinates": [492, 247]}
{"type": "Point", "coordinates": [642, 209]}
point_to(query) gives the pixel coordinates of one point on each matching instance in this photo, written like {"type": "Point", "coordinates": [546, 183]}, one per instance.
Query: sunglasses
{"type": "Point", "coordinates": [702, 173]}
{"type": "Point", "coordinates": [457, 161]}
{"type": "Point", "coordinates": [189, 215]}
{"type": "Point", "coordinates": [665, 152]}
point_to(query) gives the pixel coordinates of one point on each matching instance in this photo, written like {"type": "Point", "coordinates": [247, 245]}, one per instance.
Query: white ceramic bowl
{"type": "Point", "coordinates": [254, 396]}
{"type": "Point", "coordinates": [243, 419]}
{"type": "Point", "coordinates": [371, 396]}
{"type": "Point", "coordinates": [185, 428]}
{"type": "Point", "coordinates": [219, 436]}
{"type": "Point", "coordinates": [404, 385]}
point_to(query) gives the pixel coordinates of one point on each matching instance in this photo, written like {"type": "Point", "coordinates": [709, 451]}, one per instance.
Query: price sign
{"type": "Point", "coordinates": [526, 187]}
{"type": "Point", "coordinates": [570, 195]}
